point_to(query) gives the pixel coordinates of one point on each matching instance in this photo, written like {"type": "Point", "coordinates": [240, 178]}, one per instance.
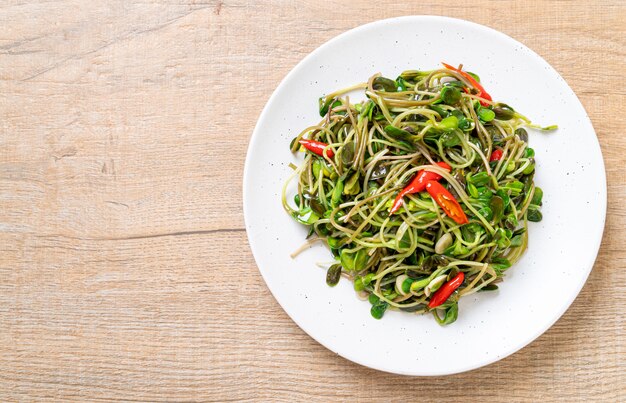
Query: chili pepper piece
{"type": "Point", "coordinates": [317, 147]}
{"type": "Point", "coordinates": [447, 202]}
{"type": "Point", "coordinates": [443, 293]}
{"type": "Point", "coordinates": [397, 203]}
{"type": "Point", "coordinates": [417, 185]}
{"type": "Point", "coordinates": [481, 91]}
{"type": "Point", "coordinates": [496, 155]}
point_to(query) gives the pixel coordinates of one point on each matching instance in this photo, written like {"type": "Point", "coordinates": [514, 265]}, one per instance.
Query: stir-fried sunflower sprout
{"type": "Point", "coordinates": [360, 156]}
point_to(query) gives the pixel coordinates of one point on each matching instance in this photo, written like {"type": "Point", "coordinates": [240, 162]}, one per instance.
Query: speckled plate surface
{"type": "Point", "coordinates": [536, 291]}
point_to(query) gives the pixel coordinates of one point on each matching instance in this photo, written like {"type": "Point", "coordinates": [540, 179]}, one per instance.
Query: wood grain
{"type": "Point", "coordinates": [125, 272]}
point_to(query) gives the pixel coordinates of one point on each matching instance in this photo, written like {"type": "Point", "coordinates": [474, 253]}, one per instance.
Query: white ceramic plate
{"type": "Point", "coordinates": [536, 291]}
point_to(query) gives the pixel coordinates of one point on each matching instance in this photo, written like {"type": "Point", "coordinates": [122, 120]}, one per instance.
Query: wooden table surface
{"type": "Point", "coordinates": [125, 271]}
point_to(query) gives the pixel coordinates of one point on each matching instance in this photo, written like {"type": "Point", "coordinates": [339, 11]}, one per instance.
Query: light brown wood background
{"type": "Point", "coordinates": [125, 271]}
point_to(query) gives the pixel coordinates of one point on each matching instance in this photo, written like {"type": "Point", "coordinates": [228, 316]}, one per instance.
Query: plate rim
{"type": "Point", "coordinates": [254, 138]}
